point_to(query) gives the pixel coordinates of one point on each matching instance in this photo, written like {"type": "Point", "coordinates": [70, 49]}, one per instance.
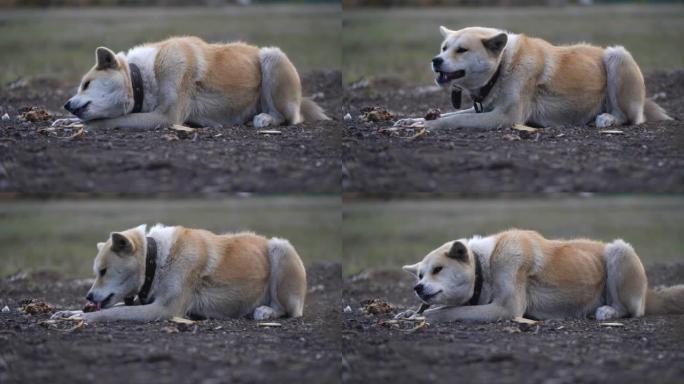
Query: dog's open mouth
{"type": "Point", "coordinates": [427, 298]}
{"type": "Point", "coordinates": [446, 77]}
{"type": "Point", "coordinates": [96, 306]}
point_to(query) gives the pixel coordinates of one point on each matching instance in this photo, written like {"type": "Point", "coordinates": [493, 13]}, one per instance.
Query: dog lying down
{"type": "Point", "coordinates": [518, 273]}
{"type": "Point", "coordinates": [515, 79]}
{"type": "Point", "coordinates": [185, 80]}
{"type": "Point", "coordinates": [177, 271]}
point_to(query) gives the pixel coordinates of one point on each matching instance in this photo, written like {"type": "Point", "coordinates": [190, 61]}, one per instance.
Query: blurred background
{"type": "Point", "coordinates": [397, 38]}
{"type": "Point", "coordinates": [388, 233]}
{"type": "Point", "coordinates": [60, 235]}
{"type": "Point", "coordinates": [58, 38]}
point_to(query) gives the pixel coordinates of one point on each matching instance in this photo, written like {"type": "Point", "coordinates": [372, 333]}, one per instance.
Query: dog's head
{"type": "Point", "coordinates": [105, 91]}
{"type": "Point", "coordinates": [446, 275]}
{"type": "Point", "coordinates": [119, 267]}
{"type": "Point", "coordinates": [469, 57]}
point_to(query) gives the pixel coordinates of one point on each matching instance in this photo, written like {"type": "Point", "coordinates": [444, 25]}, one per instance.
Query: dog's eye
{"type": "Point", "coordinates": [436, 270]}
{"type": "Point", "coordinates": [461, 50]}
{"type": "Point", "coordinates": [86, 84]}
{"type": "Point", "coordinates": [444, 48]}
{"type": "Point", "coordinates": [420, 276]}
{"type": "Point", "coordinates": [103, 271]}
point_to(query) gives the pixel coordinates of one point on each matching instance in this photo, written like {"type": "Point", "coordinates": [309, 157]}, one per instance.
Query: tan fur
{"type": "Point", "coordinates": [540, 84]}
{"type": "Point", "coordinates": [187, 80]}
{"type": "Point", "coordinates": [525, 274]}
{"type": "Point", "coordinates": [203, 274]}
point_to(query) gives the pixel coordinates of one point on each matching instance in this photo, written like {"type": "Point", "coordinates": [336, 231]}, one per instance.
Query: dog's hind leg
{"type": "Point", "coordinates": [625, 283]}
{"type": "Point", "coordinates": [287, 283]}
{"type": "Point", "coordinates": [625, 89]}
{"type": "Point", "coordinates": [281, 90]}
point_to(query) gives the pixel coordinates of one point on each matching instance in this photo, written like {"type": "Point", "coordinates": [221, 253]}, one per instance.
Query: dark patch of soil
{"type": "Point", "coordinates": [647, 349]}
{"type": "Point", "coordinates": [646, 158]}
{"type": "Point", "coordinates": [305, 157]}
{"type": "Point", "coordinates": [303, 350]}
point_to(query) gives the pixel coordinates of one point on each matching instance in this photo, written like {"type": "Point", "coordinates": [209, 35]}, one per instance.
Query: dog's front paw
{"type": "Point", "coordinates": [70, 121]}
{"type": "Point", "coordinates": [407, 314]}
{"type": "Point", "coordinates": [68, 315]}
{"type": "Point", "coordinates": [411, 123]}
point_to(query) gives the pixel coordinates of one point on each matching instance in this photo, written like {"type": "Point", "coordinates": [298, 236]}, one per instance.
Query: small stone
{"type": "Point", "coordinates": [5, 309]}
{"type": "Point", "coordinates": [347, 309]}
{"type": "Point", "coordinates": [5, 117]}
{"type": "Point", "coordinates": [347, 117]}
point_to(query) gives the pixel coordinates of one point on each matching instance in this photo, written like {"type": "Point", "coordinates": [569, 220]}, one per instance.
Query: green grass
{"type": "Point", "coordinates": [401, 42]}
{"type": "Point", "coordinates": [378, 234]}
{"type": "Point", "coordinates": [61, 42]}
{"type": "Point", "coordinates": [61, 235]}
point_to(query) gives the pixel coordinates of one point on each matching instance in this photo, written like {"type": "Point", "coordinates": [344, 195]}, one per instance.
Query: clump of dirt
{"type": "Point", "coordinates": [38, 158]}
{"type": "Point", "coordinates": [37, 349]}
{"type": "Point", "coordinates": [378, 348]}
{"type": "Point", "coordinates": [642, 158]}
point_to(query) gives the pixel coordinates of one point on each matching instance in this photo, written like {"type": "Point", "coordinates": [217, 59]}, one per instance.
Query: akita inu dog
{"type": "Point", "coordinates": [515, 79]}
{"type": "Point", "coordinates": [520, 273]}
{"type": "Point", "coordinates": [185, 80]}
{"type": "Point", "coordinates": [177, 271]}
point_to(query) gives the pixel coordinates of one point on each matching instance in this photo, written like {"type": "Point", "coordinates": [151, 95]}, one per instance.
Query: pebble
{"type": "Point", "coordinates": [5, 309]}
{"type": "Point", "coordinates": [347, 309]}
{"type": "Point", "coordinates": [5, 117]}
{"type": "Point", "coordinates": [347, 117]}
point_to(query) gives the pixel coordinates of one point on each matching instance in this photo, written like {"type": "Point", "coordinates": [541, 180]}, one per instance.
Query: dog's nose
{"type": "Point", "coordinates": [437, 61]}
{"type": "Point", "coordinates": [68, 107]}
{"type": "Point", "coordinates": [418, 288]}
{"type": "Point", "coordinates": [90, 297]}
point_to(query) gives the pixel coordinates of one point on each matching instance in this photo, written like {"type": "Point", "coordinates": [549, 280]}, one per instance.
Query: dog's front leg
{"type": "Point", "coordinates": [147, 120]}
{"type": "Point", "coordinates": [487, 312]}
{"type": "Point", "coordinates": [487, 120]}
{"type": "Point", "coordinates": [149, 312]}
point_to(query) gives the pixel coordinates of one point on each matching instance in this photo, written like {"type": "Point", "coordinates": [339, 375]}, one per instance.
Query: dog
{"type": "Point", "coordinates": [515, 79]}
{"type": "Point", "coordinates": [184, 80]}
{"type": "Point", "coordinates": [177, 271]}
{"type": "Point", "coordinates": [519, 273]}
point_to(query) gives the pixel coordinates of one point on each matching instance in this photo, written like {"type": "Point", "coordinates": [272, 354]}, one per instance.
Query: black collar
{"type": "Point", "coordinates": [150, 269]}
{"type": "Point", "coordinates": [478, 282]}
{"type": "Point", "coordinates": [479, 96]}
{"type": "Point", "coordinates": [138, 90]}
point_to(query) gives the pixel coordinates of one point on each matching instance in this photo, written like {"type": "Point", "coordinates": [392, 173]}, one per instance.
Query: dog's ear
{"type": "Point", "coordinates": [458, 252]}
{"type": "Point", "coordinates": [444, 31]}
{"type": "Point", "coordinates": [121, 244]}
{"type": "Point", "coordinates": [99, 246]}
{"type": "Point", "coordinates": [496, 43]}
{"type": "Point", "coordinates": [105, 58]}
{"type": "Point", "coordinates": [412, 269]}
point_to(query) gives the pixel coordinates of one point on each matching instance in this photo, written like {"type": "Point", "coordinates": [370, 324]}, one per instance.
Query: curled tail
{"type": "Point", "coordinates": [311, 111]}
{"type": "Point", "coordinates": [668, 300]}
{"type": "Point", "coordinates": [654, 112]}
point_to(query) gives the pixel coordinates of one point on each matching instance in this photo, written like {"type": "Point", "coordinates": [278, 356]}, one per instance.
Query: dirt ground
{"type": "Point", "coordinates": [644, 158]}
{"type": "Point", "coordinates": [303, 350]}
{"type": "Point", "coordinates": [304, 157]}
{"type": "Point", "coordinates": [643, 350]}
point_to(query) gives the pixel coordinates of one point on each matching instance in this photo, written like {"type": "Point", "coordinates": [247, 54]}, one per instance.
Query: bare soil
{"type": "Point", "coordinates": [304, 157]}
{"type": "Point", "coordinates": [643, 158]}
{"type": "Point", "coordinates": [643, 350]}
{"type": "Point", "coordinates": [305, 350]}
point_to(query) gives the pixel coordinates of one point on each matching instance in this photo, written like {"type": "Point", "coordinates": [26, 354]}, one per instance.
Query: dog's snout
{"type": "Point", "coordinates": [67, 106]}
{"type": "Point", "coordinates": [90, 297]}
{"type": "Point", "coordinates": [437, 61]}
{"type": "Point", "coordinates": [419, 288]}
{"type": "Point", "coordinates": [73, 108]}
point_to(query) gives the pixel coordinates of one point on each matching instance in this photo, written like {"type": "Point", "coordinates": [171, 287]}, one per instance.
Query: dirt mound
{"type": "Point", "coordinates": [644, 158]}
{"type": "Point", "coordinates": [37, 159]}
{"type": "Point", "coordinates": [300, 350]}
{"type": "Point", "coordinates": [376, 349]}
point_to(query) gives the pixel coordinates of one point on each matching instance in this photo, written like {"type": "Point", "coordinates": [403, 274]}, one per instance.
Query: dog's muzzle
{"type": "Point", "coordinates": [76, 110]}
{"type": "Point", "coordinates": [446, 77]}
